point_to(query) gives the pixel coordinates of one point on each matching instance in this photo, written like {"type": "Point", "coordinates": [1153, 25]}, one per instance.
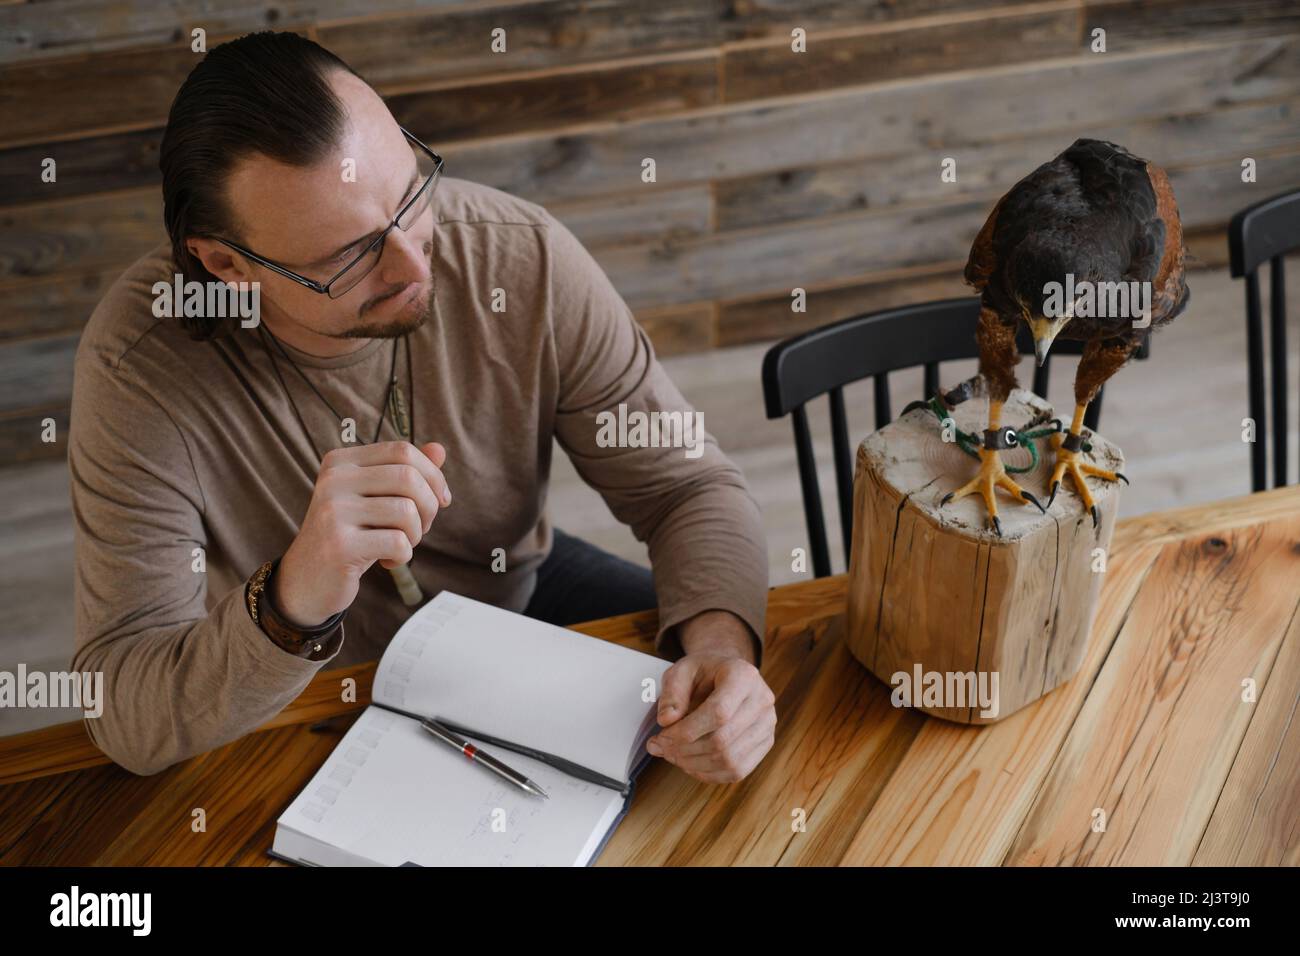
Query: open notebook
{"type": "Point", "coordinates": [391, 794]}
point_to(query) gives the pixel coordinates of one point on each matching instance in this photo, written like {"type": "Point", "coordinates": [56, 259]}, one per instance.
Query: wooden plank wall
{"type": "Point", "coordinates": [776, 170]}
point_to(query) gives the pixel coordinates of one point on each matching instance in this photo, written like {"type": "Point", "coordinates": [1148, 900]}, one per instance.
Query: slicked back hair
{"type": "Point", "coordinates": [265, 93]}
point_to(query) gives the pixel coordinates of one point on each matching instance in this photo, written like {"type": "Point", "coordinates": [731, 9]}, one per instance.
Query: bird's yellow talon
{"type": "Point", "coordinates": [1071, 463]}
{"type": "Point", "coordinates": [992, 475]}
{"type": "Point", "coordinates": [1100, 472]}
{"type": "Point", "coordinates": [1035, 501]}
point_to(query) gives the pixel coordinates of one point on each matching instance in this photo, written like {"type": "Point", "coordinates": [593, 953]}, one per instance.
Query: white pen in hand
{"type": "Point", "coordinates": [479, 756]}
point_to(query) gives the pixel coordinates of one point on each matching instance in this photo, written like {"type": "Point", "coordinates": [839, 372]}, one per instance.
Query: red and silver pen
{"type": "Point", "coordinates": [480, 756]}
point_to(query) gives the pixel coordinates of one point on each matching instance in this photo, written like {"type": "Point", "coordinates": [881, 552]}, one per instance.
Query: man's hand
{"type": "Point", "coordinates": [370, 503]}
{"type": "Point", "coordinates": [717, 711]}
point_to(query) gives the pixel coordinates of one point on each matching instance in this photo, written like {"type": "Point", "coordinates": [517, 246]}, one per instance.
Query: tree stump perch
{"type": "Point", "coordinates": [934, 588]}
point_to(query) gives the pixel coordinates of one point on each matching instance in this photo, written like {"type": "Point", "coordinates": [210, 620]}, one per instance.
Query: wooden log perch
{"type": "Point", "coordinates": [935, 590]}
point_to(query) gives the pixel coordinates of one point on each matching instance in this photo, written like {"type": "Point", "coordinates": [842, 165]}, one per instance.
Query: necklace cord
{"type": "Point", "coordinates": [392, 378]}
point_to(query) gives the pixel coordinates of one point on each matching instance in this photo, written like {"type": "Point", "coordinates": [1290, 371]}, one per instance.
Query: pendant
{"type": "Point", "coordinates": [397, 411]}
{"type": "Point", "coordinates": [407, 586]}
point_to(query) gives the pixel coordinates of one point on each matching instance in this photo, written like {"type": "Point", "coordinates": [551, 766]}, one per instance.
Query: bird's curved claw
{"type": "Point", "coordinates": [997, 526]}
{"type": "Point", "coordinates": [1052, 497]}
{"type": "Point", "coordinates": [945, 499]}
{"type": "Point", "coordinates": [1034, 500]}
{"type": "Point", "coordinates": [1094, 516]}
{"type": "Point", "coordinates": [1120, 476]}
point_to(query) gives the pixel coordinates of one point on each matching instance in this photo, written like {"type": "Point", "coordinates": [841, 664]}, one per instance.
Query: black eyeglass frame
{"type": "Point", "coordinates": [324, 287]}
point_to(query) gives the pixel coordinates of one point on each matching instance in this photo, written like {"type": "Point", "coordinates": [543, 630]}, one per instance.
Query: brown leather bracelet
{"type": "Point", "coordinates": [289, 637]}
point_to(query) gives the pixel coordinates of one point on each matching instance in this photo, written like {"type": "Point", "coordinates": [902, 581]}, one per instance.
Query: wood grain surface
{"type": "Point", "coordinates": [1154, 737]}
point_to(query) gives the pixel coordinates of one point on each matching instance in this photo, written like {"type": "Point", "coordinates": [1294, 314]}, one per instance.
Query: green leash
{"type": "Point", "coordinates": [971, 443]}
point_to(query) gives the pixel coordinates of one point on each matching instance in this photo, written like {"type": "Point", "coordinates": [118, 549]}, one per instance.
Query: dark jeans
{"type": "Point", "coordinates": [581, 582]}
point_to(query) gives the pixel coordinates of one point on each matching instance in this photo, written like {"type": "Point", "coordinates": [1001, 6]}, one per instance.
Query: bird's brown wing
{"type": "Point", "coordinates": [1169, 288]}
{"type": "Point", "coordinates": [983, 259]}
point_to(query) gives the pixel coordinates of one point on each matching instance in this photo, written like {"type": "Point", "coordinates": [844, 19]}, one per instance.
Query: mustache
{"type": "Point", "coordinates": [367, 330]}
{"type": "Point", "coordinates": [383, 297]}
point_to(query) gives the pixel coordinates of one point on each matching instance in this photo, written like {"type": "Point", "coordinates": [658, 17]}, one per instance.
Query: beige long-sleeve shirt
{"type": "Point", "coordinates": [190, 469]}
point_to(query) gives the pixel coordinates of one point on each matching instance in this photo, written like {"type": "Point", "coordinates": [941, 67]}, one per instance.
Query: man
{"type": "Point", "coordinates": [240, 487]}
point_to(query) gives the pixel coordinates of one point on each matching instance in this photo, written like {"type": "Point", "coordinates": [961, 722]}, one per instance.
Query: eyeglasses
{"type": "Point", "coordinates": [430, 166]}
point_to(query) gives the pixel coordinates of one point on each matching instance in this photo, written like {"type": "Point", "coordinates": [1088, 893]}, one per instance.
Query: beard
{"type": "Point", "coordinates": [396, 327]}
{"type": "Point", "coordinates": [399, 326]}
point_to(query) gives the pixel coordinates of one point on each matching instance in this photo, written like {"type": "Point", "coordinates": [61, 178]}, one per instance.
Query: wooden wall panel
{"type": "Point", "coordinates": [774, 169]}
{"type": "Point", "coordinates": [640, 217]}
{"type": "Point", "coordinates": [91, 164]}
{"type": "Point", "coordinates": [1001, 103]}
{"type": "Point", "coordinates": [747, 19]}
{"type": "Point", "coordinates": [84, 234]}
{"type": "Point", "coordinates": [676, 331]}
{"type": "Point", "coordinates": [62, 303]}
{"type": "Point", "coordinates": [901, 49]}
{"type": "Point", "coordinates": [108, 92]}
{"type": "Point", "coordinates": [20, 435]}
{"type": "Point", "coordinates": [43, 30]}
{"type": "Point", "coordinates": [436, 46]}
{"type": "Point", "coordinates": [36, 373]}
{"type": "Point", "coordinates": [1131, 26]}
{"type": "Point", "coordinates": [49, 30]}
{"type": "Point", "coordinates": [993, 166]}
{"type": "Point", "coordinates": [807, 251]}
{"type": "Point", "coordinates": [618, 92]}
{"type": "Point", "coordinates": [769, 318]}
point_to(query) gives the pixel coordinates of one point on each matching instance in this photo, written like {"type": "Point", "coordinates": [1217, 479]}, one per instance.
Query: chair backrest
{"type": "Point", "coordinates": [824, 360]}
{"type": "Point", "coordinates": [1261, 233]}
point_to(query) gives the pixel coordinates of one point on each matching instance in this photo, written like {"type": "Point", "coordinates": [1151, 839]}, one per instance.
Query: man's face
{"type": "Point", "coordinates": [314, 220]}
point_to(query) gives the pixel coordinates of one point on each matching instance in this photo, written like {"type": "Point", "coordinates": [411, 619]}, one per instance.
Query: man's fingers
{"type": "Point", "coordinates": [378, 453]}
{"type": "Point", "coordinates": [675, 691]}
{"type": "Point", "coordinates": [388, 546]}
{"type": "Point", "coordinates": [437, 454]}
{"type": "Point", "coordinates": [754, 713]}
{"type": "Point", "coordinates": [394, 453]}
{"type": "Point", "coordinates": [400, 513]}
{"type": "Point", "coordinates": [729, 692]}
{"type": "Point", "coordinates": [728, 767]}
{"type": "Point", "coordinates": [403, 481]}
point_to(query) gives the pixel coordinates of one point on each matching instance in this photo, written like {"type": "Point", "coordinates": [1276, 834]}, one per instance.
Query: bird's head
{"type": "Point", "coordinates": [1044, 328]}
{"type": "Point", "coordinates": [1045, 288]}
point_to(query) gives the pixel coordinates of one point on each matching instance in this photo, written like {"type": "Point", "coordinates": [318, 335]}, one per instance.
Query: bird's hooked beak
{"type": "Point", "coordinates": [1044, 331]}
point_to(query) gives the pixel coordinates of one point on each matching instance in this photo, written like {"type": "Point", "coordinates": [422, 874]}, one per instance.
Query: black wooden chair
{"type": "Point", "coordinates": [824, 360]}
{"type": "Point", "coordinates": [1263, 232]}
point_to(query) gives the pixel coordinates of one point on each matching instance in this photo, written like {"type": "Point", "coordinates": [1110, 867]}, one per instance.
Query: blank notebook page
{"type": "Point", "coordinates": [391, 793]}
{"type": "Point", "coordinates": [522, 680]}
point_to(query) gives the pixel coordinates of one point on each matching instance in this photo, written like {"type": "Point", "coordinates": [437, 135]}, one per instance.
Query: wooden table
{"type": "Point", "coordinates": [1153, 732]}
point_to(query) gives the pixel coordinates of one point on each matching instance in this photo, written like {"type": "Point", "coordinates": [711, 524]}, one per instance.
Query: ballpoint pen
{"type": "Point", "coordinates": [480, 756]}
{"type": "Point", "coordinates": [551, 760]}
{"type": "Point", "coordinates": [559, 763]}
